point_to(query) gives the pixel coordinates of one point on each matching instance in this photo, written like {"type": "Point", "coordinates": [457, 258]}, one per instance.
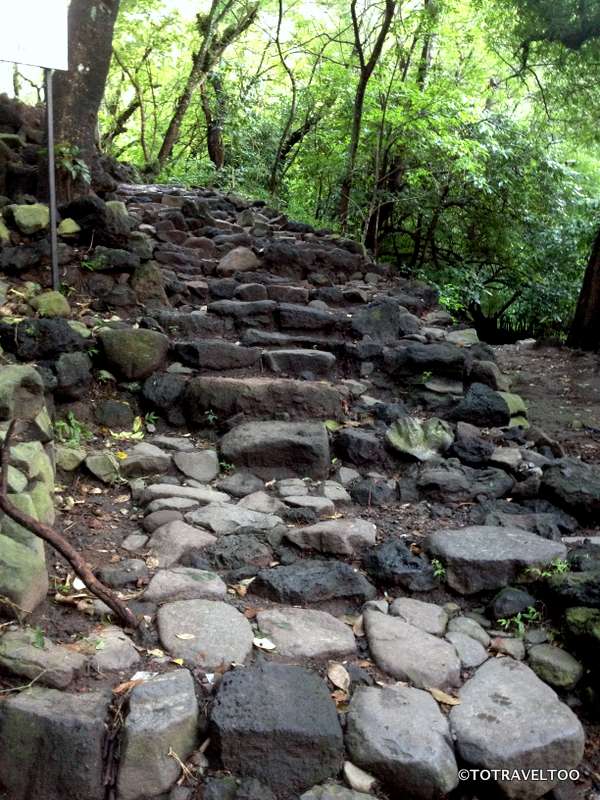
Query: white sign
{"type": "Point", "coordinates": [35, 32]}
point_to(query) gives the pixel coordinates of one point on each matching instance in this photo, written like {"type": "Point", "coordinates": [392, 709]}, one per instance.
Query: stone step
{"type": "Point", "coordinates": [260, 398]}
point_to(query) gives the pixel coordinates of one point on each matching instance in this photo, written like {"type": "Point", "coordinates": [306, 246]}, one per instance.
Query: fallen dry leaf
{"type": "Point", "coordinates": [185, 636]}
{"type": "Point", "coordinates": [339, 676]}
{"type": "Point", "coordinates": [263, 643]}
{"type": "Point", "coordinates": [444, 698]}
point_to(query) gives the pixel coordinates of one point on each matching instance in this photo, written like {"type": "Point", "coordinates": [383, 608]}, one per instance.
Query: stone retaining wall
{"type": "Point", "coordinates": [23, 575]}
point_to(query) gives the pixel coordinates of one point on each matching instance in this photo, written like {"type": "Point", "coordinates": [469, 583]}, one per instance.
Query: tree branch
{"type": "Point", "coordinates": [57, 541]}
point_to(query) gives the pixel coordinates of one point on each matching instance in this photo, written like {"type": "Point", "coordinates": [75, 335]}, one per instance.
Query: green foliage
{"type": "Point", "coordinates": [558, 567]}
{"type": "Point", "coordinates": [439, 570]}
{"type": "Point", "coordinates": [72, 432]}
{"type": "Point", "coordinates": [476, 168]}
{"type": "Point", "coordinates": [519, 622]}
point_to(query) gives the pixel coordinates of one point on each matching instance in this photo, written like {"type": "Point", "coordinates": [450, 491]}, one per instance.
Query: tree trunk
{"type": "Point", "coordinates": [585, 330]}
{"type": "Point", "coordinates": [366, 70]}
{"type": "Point", "coordinates": [79, 92]}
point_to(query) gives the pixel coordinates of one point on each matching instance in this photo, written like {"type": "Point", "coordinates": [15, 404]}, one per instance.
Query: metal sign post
{"type": "Point", "coordinates": [48, 74]}
{"type": "Point", "coordinates": [36, 33]}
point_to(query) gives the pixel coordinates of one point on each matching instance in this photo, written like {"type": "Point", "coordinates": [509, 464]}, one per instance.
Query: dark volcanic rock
{"type": "Point", "coordinates": [40, 339]}
{"type": "Point", "coordinates": [277, 723]}
{"type": "Point", "coordinates": [384, 320]}
{"type": "Point", "coordinates": [313, 581]}
{"type": "Point", "coordinates": [360, 447]}
{"type": "Point", "coordinates": [483, 407]}
{"type": "Point", "coordinates": [164, 391]}
{"type": "Point", "coordinates": [574, 486]}
{"type": "Point", "coordinates": [216, 354]}
{"type": "Point", "coordinates": [373, 492]}
{"type": "Point", "coordinates": [414, 359]}
{"type": "Point", "coordinates": [38, 724]}
{"type": "Point", "coordinates": [394, 564]}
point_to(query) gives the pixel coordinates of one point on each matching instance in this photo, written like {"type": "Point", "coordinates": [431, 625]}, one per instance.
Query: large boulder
{"type": "Point", "coordinates": [414, 360]}
{"type": "Point", "coordinates": [133, 353]}
{"type": "Point", "coordinates": [52, 745]}
{"type": "Point", "coordinates": [41, 339]}
{"type": "Point", "coordinates": [278, 724]}
{"type": "Point", "coordinates": [508, 720]}
{"type": "Point", "coordinates": [260, 398]}
{"type": "Point", "coordinates": [400, 735]}
{"type": "Point", "coordinates": [385, 320]}
{"type": "Point", "coordinates": [279, 449]}
{"type": "Point", "coordinates": [485, 557]}
{"type": "Point", "coordinates": [487, 408]}
{"type": "Point", "coordinates": [450, 481]}
{"type": "Point", "coordinates": [574, 486]}
{"type": "Point", "coordinates": [21, 392]}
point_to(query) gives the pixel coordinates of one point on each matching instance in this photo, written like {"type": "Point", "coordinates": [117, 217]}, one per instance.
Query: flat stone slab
{"type": "Point", "coordinates": [260, 397]}
{"type": "Point", "coordinates": [279, 449]}
{"type": "Point", "coordinates": [163, 716]}
{"type": "Point", "coordinates": [207, 633]}
{"type": "Point", "coordinates": [172, 541]}
{"type": "Point", "coordinates": [509, 719]}
{"type": "Point", "coordinates": [277, 723]}
{"type": "Point", "coordinates": [305, 633]}
{"type": "Point", "coordinates": [426, 616]}
{"type": "Point", "coordinates": [333, 791]}
{"type": "Point", "coordinates": [201, 465]}
{"type": "Point", "coordinates": [339, 536]}
{"type": "Point", "coordinates": [400, 735]}
{"type": "Point", "coordinates": [184, 583]}
{"type": "Point", "coordinates": [263, 502]}
{"type": "Point", "coordinates": [23, 652]}
{"type": "Point", "coordinates": [409, 654]}
{"type": "Point", "coordinates": [228, 519]}
{"type": "Point", "coordinates": [485, 557]}
{"type": "Point", "coordinates": [321, 505]}
{"type": "Point", "coordinates": [203, 496]}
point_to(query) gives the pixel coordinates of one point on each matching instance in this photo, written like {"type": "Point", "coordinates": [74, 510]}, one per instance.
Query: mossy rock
{"type": "Point", "coordinates": [31, 219]}
{"type": "Point", "coordinates": [43, 501]}
{"type": "Point", "coordinates": [421, 440]}
{"type": "Point", "coordinates": [133, 353]}
{"type": "Point", "coordinates": [23, 576]}
{"type": "Point", "coordinates": [10, 528]}
{"type": "Point", "coordinates": [68, 228]}
{"type": "Point", "coordinates": [69, 458]}
{"type": "Point", "coordinates": [103, 466]}
{"type": "Point", "coordinates": [21, 393]}
{"type": "Point", "coordinates": [4, 233]}
{"type": "Point", "coordinates": [583, 628]}
{"type": "Point", "coordinates": [32, 459]}
{"type": "Point", "coordinates": [79, 327]}
{"type": "Point", "coordinates": [51, 304]}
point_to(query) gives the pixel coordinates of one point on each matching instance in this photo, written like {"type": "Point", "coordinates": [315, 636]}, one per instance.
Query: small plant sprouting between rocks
{"type": "Point", "coordinates": [211, 417]}
{"type": "Point", "coordinates": [558, 567]}
{"type": "Point", "coordinates": [439, 570]}
{"type": "Point", "coordinates": [226, 466]}
{"type": "Point", "coordinates": [72, 432]}
{"type": "Point", "coordinates": [519, 622]}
